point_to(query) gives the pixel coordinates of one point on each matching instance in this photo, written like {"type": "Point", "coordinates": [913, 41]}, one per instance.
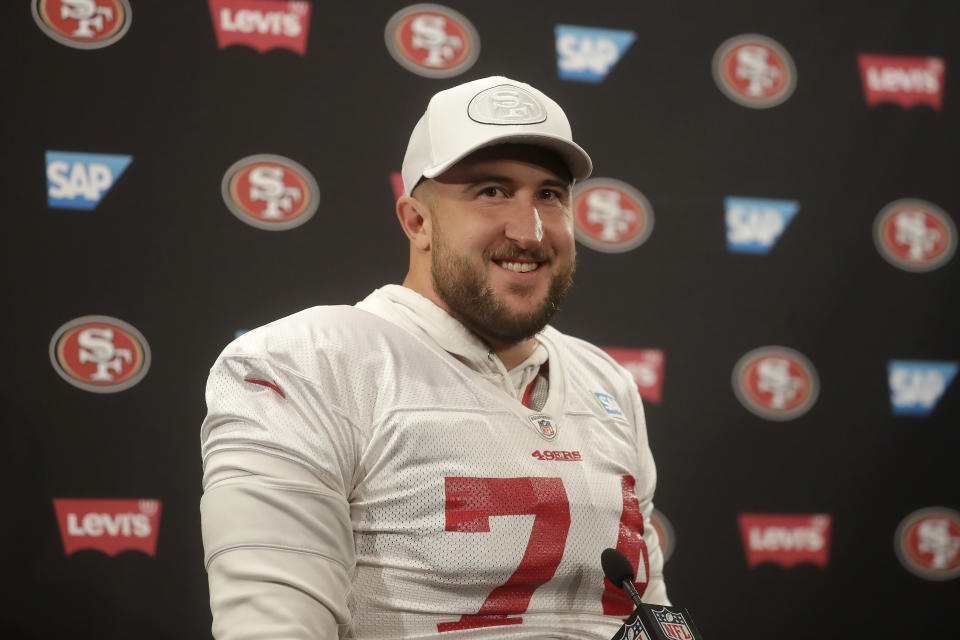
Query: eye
{"type": "Point", "coordinates": [552, 195]}
{"type": "Point", "coordinates": [492, 192]}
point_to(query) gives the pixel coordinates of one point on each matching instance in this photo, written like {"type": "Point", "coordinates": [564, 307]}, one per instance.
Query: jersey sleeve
{"type": "Point", "coordinates": [279, 460]}
{"type": "Point", "coordinates": [656, 591]}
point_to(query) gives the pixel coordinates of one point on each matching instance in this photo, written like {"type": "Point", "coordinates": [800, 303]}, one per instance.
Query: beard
{"type": "Point", "coordinates": [463, 285]}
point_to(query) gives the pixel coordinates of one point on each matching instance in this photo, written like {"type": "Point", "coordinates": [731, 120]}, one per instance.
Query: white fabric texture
{"type": "Point", "coordinates": [369, 472]}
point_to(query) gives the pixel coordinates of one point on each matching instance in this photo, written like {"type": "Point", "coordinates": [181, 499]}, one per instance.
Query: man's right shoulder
{"type": "Point", "coordinates": [298, 339]}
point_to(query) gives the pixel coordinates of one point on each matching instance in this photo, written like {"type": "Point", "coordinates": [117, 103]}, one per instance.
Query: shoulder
{"type": "Point", "coordinates": [307, 338]}
{"type": "Point", "coordinates": [586, 358]}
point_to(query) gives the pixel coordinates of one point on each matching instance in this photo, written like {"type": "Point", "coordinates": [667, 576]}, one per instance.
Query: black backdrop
{"type": "Point", "coordinates": [162, 252]}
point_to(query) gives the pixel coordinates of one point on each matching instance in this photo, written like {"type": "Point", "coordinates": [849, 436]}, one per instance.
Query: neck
{"type": "Point", "coordinates": [510, 353]}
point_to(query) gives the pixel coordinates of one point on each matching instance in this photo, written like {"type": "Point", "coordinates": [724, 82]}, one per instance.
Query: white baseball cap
{"type": "Point", "coordinates": [481, 113]}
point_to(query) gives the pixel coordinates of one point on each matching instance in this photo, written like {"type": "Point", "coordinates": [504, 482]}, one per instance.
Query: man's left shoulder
{"type": "Point", "coordinates": [583, 356]}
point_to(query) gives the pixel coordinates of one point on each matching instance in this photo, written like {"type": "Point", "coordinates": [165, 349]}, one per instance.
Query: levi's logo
{"type": "Point", "coordinates": [786, 540]}
{"type": "Point", "coordinates": [646, 365]}
{"type": "Point", "coordinates": [110, 526]}
{"type": "Point", "coordinates": [261, 24]}
{"type": "Point", "coordinates": [904, 80]}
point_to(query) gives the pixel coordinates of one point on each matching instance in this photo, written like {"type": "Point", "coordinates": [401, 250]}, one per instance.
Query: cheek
{"type": "Point", "coordinates": [560, 232]}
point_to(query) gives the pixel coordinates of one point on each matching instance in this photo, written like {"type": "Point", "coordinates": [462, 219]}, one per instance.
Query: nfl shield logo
{"type": "Point", "coordinates": [544, 425]}
{"type": "Point", "coordinates": [673, 624]}
{"type": "Point", "coordinates": [632, 629]}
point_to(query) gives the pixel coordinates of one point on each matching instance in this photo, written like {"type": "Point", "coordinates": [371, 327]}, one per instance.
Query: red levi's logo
{"type": "Point", "coordinates": [110, 526]}
{"type": "Point", "coordinates": [902, 80]}
{"type": "Point", "coordinates": [786, 540]}
{"type": "Point", "coordinates": [646, 365]}
{"type": "Point", "coordinates": [262, 24]}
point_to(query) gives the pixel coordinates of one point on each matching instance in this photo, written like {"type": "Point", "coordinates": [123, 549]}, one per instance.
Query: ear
{"type": "Point", "coordinates": [414, 218]}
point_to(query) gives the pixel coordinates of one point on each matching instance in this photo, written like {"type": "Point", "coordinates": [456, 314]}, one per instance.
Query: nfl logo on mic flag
{"type": "Point", "coordinates": [657, 622]}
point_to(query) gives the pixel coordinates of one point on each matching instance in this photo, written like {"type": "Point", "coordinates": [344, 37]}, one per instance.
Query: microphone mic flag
{"type": "Point", "coordinates": [648, 621]}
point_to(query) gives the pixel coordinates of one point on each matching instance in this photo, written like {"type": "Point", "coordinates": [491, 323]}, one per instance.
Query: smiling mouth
{"type": "Point", "coordinates": [518, 267]}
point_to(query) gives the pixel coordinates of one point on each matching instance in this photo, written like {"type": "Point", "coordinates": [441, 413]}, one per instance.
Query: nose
{"type": "Point", "coordinates": [524, 226]}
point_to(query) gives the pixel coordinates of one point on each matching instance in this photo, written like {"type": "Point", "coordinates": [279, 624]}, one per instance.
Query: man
{"type": "Point", "coordinates": [436, 461]}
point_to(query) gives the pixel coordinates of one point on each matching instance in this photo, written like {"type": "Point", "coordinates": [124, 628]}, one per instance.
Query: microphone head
{"type": "Point", "coordinates": [616, 567]}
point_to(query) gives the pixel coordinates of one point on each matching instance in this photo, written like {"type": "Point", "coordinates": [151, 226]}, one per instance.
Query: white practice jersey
{"type": "Point", "coordinates": [431, 502]}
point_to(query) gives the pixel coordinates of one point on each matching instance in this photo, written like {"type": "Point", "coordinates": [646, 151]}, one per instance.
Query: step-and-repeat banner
{"type": "Point", "coordinates": [767, 243]}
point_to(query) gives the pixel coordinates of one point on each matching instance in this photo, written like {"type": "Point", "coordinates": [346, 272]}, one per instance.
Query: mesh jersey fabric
{"type": "Point", "coordinates": [470, 516]}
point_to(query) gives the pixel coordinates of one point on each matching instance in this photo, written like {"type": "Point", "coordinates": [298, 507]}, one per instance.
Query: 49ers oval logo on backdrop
{"type": "Point", "coordinates": [914, 235]}
{"type": "Point", "coordinates": [270, 192]}
{"type": "Point", "coordinates": [754, 71]}
{"type": "Point", "coordinates": [83, 24]}
{"type": "Point", "coordinates": [610, 215]}
{"type": "Point", "coordinates": [431, 40]}
{"type": "Point", "coordinates": [927, 542]}
{"type": "Point", "coordinates": [776, 383]}
{"type": "Point", "coordinates": [100, 354]}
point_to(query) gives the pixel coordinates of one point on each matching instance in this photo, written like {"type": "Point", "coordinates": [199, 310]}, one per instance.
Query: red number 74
{"type": "Point", "coordinates": [470, 502]}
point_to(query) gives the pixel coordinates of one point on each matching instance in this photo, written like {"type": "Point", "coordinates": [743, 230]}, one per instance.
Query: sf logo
{"type": "Point", "coordinates": [97, 347]}
{"type": "Point", "coordinates": [266, 185]}
{"type": "Point", "coordinates": [604, 209]}
{"type": "Point", "coordinates": [430, 34]}
{"type": "Point", "coordinates": [88, 15]}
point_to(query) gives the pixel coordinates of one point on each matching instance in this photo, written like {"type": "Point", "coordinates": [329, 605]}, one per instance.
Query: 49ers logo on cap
{"type": "Point", "coordinates": [432, 40]}
{"type": "Point", "coordinates": [928, 543]}
{"type": "Point", "coordinates": [610, 215]}
{"type": "Point", "coordinates": [100, 354]}
{"type": "Point", "coordinates": [914, 235]}
{"type": "Point", "coordinates": [754, 71]}
{"type": "Point", "coordinates": [83, 24]}
{"type": "Point", "coordinates": [270, 192]}
{"type": "Point", "coordinates": [775, 383]}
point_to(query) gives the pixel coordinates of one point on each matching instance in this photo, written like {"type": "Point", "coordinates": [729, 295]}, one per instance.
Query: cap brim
{"type": "Point", "coordinates": [576, 159]}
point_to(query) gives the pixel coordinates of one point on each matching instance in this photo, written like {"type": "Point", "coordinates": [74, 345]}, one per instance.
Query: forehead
{"type": "Point", "coordinates": [520, 161]}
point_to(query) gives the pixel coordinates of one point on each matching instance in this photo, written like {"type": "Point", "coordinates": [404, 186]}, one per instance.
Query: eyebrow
{"type": "Point", "coordinates": [481, 179]}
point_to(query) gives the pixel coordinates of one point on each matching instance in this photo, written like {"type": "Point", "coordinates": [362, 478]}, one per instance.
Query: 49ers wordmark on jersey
{"type": "Point", "coordinates": [270, 192]}
{"type": "Point", "coordinates": [754, 71]}
{"type": "Point", "coordinates": [432, 40]}
{"type": "Point", "coordinates": [100, 354]}
{"type": "Point", "coordinates": [610, 215]}
{"type": "Point", "coordinates": [83, 24]}
{"type": "Point", "coordinates": [776, 383]}
{"type": "Point", "coordinates": [915, 235]}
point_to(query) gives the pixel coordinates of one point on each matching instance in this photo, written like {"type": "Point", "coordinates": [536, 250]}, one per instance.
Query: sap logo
{"type": "Point", "coordinates": [587, 54]}
{"type": "Point", "coordinates": [80, 180]}
{"type": "Point", "coordinates": [755, 225]}
{"type": "Point", "coordinates": [608, 403]}
{"type": "Point", "coordinates": [916, 386]}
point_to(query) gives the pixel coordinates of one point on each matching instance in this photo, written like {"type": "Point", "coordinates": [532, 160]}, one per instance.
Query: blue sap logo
{"type": "Point", "coordinates": [755, 225]}
{"type": "Point", "coordinates": [916, 386]}
{"type": "Point", "coordinates": [586, 54]}
{"type": "Point", "coordinates": [608, 402]}
{"type": "Point", "coordinates": [80, 180]}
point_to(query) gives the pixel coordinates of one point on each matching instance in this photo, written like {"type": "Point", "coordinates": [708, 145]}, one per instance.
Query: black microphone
{"type": "Point", "coordinates": [619, 571]}
{"type": "Point", "coordinates": [653, 622]}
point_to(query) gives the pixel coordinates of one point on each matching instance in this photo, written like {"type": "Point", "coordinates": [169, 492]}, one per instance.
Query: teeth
{"type": "Point", "coordinates": [520, 267]}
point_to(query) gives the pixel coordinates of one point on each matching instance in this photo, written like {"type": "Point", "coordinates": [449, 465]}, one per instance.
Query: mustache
{"type": "Point", "coordinates": [512, 253]}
